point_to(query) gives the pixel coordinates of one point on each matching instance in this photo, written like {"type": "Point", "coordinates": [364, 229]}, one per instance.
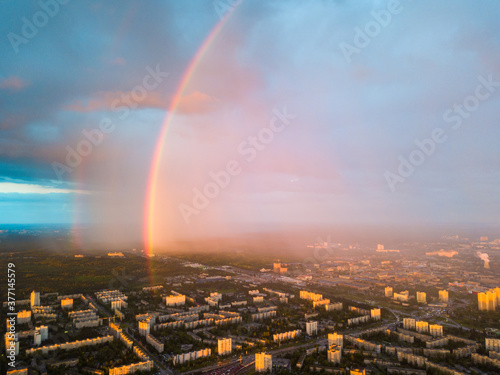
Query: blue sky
{"type": "Point", "coordinates": [418, 68]}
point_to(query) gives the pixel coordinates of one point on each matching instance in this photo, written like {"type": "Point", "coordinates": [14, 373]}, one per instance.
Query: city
{"type": "Point", "coordinates": [362, 310]}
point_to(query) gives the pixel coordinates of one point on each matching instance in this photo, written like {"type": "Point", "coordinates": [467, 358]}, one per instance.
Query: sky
{"type": "Point", "coordinates": [178, 120]}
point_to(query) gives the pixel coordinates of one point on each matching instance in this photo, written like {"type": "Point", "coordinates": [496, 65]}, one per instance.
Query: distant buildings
{"type": "Point", "coordinates": [191, 356]}
{"type": "Point", "coordinates": [436, 330]}
{"type": "Point", "coordinates": [67, 303]}
{"type": "Point", "coordinates": [263, 362]}
{"type": "Point", "coordinates": [23, 316]}
{"type": "Point", "coordinates": [334, 306]}
{"type": "Point", "coordinates": [422, 327]}
{"type": "Point", "coordinates": [144, 327]}
{"type": "Point", "coordinates": [493, 344]}
{"type": "Point", "coordinates": [312, 328]}
{"type": "Point", "coordinates": [375, 314]}
{"type": "Point", "coordinates": [443, 296]}
{"type": "Point", "coordinates": [335, 339]}
{"type": "Point", "coordinates": [402, 296]}
{"type": "Point", "coordinates": [488, 301]}
{"type": "Point", "coordinates": [278, 268]}
{"type": "Point", "coordinates": [290, 335]}
{"type": "Point", "coordinates": [334, 354]}
{"type": "Point", "coordinates": [175, 300]}
{"type": "Point", "coordinates": [409, 323]}
{"type": "Point", "coordinates": [421, 297]}
{"type": "Point", "coordinates": [35, 299]}
{"type": "Point", "coordinates": [153, 341]}
{"type": "Point", "coordinates": [224, 346]}
{"type": "Point", "coordinates": [388, 291]}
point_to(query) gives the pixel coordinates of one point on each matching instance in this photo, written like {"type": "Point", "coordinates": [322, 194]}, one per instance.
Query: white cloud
{"type": "Point", "coordinates": [12, 187]}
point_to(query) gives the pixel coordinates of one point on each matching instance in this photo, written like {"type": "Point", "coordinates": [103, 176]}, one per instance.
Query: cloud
{"type": "Point", "coordinates": [196, 103]}
{"type": "Point", "coordinates": [112, 100]}
{"type": "Point", "coordinates": [13, 83]}
{"type": "Point", "coordinates": [18, 188]}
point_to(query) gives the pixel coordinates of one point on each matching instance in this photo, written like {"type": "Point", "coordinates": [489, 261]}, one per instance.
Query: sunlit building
{"type": "Point", "coordinates": [35, 298]}
{"type": "Point", "coordinates": [402, 296]}
{"type": "Point", "coordinates": [422, 327]}
{"type": "Point", "coordinates": [263, 362]}
{"type": "Point", "coordinates": [443, 296]}
{"type": "Point", "coordinates": [388, 291]}
{"type": "Point", "coordinates": [175, 300]}
{"type": "Point", "coordinates": [335, 339]}
{"type": "Point", "coordinates": [224, 346]}
{"type": "Point", "coordinates": [67, 303]}
{"type": "Point", "coordinates": [334, 354]}
{"type": "Point", "coordinates": [436, 330]}
{"type": "Point", "coordinates": [421, 297]}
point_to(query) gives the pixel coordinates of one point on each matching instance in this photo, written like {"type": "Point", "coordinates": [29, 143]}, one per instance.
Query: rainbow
{"type": "Point", "coordinates": [152, 186]}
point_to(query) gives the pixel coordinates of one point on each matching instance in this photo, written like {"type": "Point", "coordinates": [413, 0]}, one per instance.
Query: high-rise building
{"type": "Point", "coordinates": [312, 328]}
{"type": "Point", "coordinates": [334, 354]}
{"type": "Point", "coordinates": [436, 330]}
{"type": "Point", "coordinates": [335, 339]}
{"type": "Point", "coordinates": [487, 301]}
{"type": "Point", "coordinates": [388, 291]}
{"type": "Point", "coordinates": [421, 297]}
{"type": "Point", "coordinates": [67, 303]}
{"type": "Point", "coordinates": [409, 323]}
{"type": "Point", "coordinates": [35, 299]}
{"type": "Point", "coordinates": [144, 327]}
{"type": "Point", "coordinates": [224, 346]}
{"type": "Point", "coordinates": [491, 297]}
{"type": "Point", "coordinates": [422, 327]}
{"type": "Point", "coordinates": [263, 362]}
{"type": "Point", "coordinates": [402, 296]}
{"type": "Point", "coordinates": [375, 314]}
{"type": "Point", "coordinates": [443, 296]}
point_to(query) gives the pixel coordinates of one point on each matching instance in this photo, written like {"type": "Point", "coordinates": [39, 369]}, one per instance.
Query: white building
{"type": "Point", "coordinates": [67, 303]}
{"type": "Point", "coordinates": [388, 291]}
{"type": "Point", "coordinates": [409, 323]}
{"type": "Point", "coordinates": [144, 327]}
{"type": "Point", "coordinates": [177, 300]}
{"type": "Point", "coordinates": [335, 339]}
{"type": "Point", "coordinates": [263, 362]}
{"type": "Point", "coordinates": [224, 346]}
{"type": "Point", "coordinates": [35, 298]}
{"type": "Point", "coordinates": [421, 297]}
{"type": "Point", "coordinates": [334, 354]}
{"type": "Point", "coordinates": [443, 296]}
{"type": "Point", "coordinates": [312, 328]}
{"type": "Point", "coordinates": [436, 330]}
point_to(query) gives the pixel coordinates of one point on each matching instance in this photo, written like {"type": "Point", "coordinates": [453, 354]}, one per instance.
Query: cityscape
{"type": "Point", "coordinates": [241, 187]}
